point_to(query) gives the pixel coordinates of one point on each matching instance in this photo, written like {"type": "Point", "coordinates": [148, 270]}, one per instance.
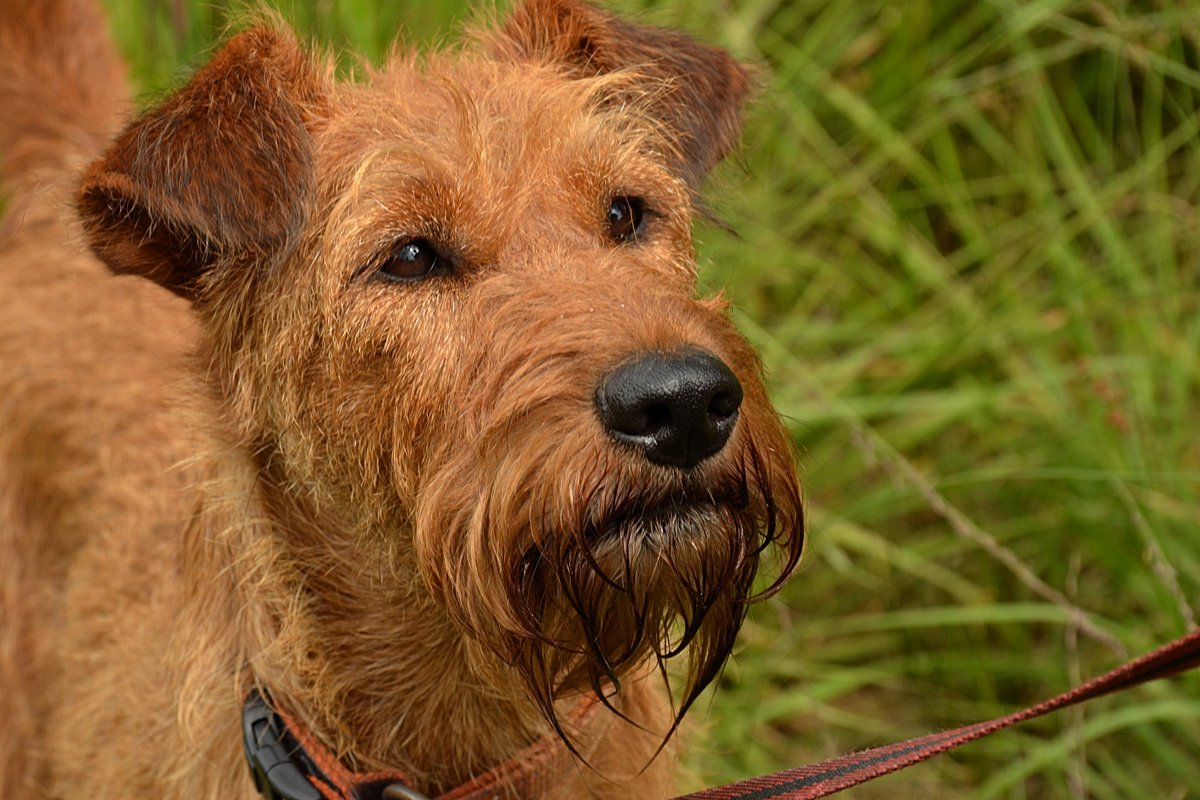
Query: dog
{"type": "Point", "coordinates": [371, 431]}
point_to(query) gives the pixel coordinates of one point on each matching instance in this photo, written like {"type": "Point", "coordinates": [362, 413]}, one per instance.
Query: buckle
{"type": "Point", "coordinates": [273, 756]}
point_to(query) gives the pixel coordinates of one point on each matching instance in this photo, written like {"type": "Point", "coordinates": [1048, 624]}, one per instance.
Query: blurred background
{"type": "Point", "coordinates": [967, 246]}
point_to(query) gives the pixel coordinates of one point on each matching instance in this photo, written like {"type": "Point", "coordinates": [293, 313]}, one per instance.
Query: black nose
{"type": "Point", "coordinates": [677, 408]}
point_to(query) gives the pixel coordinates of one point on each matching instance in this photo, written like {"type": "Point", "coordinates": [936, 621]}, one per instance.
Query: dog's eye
{"type": "Point", "coordinates": [626, 216]}
{"type": "Point", "coordinates": [413, 260]}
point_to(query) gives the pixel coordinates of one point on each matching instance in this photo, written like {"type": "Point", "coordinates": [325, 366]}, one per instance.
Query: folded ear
{"type": "Point", "coordinates": [221, 170]}
{"type": "Point", "coordinates": [700, 91]}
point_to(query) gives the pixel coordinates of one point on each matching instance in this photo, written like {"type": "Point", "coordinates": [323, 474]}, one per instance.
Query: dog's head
{"type": "Point", "coordinates": [452, 308]}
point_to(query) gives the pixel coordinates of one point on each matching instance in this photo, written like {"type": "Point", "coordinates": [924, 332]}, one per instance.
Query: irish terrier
{"type": "Point", "coordinates": [380, 438]}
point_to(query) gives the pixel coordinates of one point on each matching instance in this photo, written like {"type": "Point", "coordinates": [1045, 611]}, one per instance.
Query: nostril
{"type": "Point", "coordinates": [724, 404]}
{"type": "Point", "coordinates": [658, 417]}
{"type": "Point", "coordinates": [627, 412]}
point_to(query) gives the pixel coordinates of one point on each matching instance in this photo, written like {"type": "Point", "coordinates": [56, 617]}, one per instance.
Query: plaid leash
{"type": "Point", "coordinates": [834, 775]}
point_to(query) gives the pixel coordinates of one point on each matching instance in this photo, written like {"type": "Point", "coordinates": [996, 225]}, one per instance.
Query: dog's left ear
{"type": "Point", "coordinates": [700, 91]}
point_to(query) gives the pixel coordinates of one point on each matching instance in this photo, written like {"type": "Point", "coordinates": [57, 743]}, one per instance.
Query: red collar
{"type": "Point", "coordinates": [287, 762]}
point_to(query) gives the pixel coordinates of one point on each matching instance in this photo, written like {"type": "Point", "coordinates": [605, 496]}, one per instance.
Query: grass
{"type": "Point", "coordinates": [968, 251]}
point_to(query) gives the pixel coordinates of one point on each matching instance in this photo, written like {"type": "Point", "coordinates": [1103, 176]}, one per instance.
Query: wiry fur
{"type": "Point", "coordinates": [391, 505]}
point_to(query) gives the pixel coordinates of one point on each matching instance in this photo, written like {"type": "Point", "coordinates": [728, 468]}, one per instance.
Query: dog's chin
{"type": "Point", "coordinates": [642, 586]}
{"type": "Point", "coordinates": [657, 531]}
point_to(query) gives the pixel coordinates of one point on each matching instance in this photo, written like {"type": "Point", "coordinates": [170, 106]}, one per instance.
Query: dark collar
{"type": "Point", "coordinates": [285, 767]}
{"type": "Point", "coordinates": [287, 762]}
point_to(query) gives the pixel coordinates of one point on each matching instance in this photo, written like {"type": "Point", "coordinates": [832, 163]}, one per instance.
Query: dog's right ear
{"type": "Point", "coordinates": [221, 171]}
{"type": "Point", "coordinates": [696, 91]}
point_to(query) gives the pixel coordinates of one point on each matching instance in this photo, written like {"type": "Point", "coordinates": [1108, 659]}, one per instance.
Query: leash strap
{"type": "Point", "coordinates": [828, 777]}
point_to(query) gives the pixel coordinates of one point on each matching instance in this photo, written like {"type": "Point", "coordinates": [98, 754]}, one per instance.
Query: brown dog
{"type": "Point", "coordinates": [429, 441]}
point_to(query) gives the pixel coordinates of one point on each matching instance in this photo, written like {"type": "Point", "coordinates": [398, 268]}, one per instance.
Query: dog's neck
{"type": "Point", "coordinates": [357, 648]}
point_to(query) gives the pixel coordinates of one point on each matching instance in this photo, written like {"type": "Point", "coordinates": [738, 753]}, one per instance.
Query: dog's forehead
{"type": "Point", "coordinates": [474, 118]}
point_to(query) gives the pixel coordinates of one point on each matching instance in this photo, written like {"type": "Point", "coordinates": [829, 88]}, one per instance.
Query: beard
{"type": "Point", "coordinates": [606, 578]}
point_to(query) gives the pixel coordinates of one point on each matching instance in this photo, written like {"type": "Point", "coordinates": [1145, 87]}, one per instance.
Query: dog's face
{"type": "Point", "coordinates": [455, 305]}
